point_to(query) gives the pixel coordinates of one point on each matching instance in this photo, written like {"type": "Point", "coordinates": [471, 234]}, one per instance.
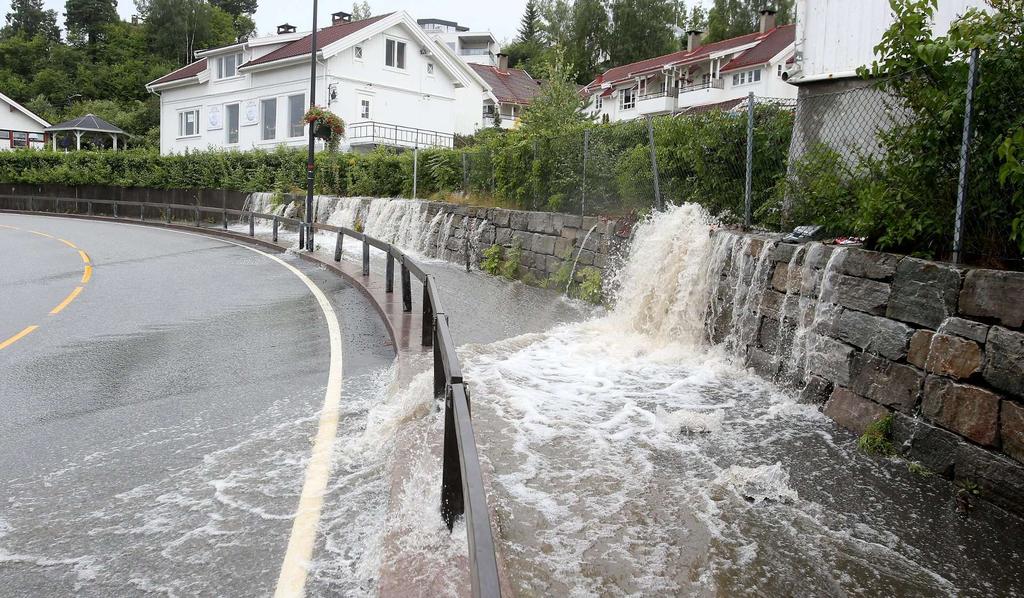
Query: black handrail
{"type": "Point", "coordinates": [462, 485]}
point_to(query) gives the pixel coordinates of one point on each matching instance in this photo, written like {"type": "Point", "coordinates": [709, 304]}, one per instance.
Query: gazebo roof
{"type": "Point", "coordinates": [89, 122]}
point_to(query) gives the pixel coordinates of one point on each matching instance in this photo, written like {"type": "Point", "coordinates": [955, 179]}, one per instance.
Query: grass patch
{"type": "Point", "coordinates": [877, 438]}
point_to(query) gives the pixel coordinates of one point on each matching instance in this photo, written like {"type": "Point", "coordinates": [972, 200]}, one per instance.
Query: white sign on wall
{"type": "Point", "coordinates": [215, 119]}
{"type": "Point", "coordinates": [250, 113]}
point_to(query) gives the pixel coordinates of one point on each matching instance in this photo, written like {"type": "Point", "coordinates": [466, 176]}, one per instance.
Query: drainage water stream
{"type": "Point", "coordinates": [630, 456]}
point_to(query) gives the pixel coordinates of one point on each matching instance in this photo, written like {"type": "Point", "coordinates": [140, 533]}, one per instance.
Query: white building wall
{"type": "Point", "coordinates": [12, 119]}
{"type": "Point", "coordinates": [835, 37]}
{"type": "Point", "coordinates": [410, 97]}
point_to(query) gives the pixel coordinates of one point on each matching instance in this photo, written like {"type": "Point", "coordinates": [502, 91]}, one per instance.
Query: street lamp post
{"type": "Point", "coordinates": [310, 162]}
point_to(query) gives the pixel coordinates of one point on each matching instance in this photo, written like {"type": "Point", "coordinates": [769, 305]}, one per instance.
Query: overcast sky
{"type": "Point", "coordinates": [500, 18]}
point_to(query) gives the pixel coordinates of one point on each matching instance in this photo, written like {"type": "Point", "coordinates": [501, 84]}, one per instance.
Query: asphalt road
{"type": "Point", "coordinates": [155, 429]}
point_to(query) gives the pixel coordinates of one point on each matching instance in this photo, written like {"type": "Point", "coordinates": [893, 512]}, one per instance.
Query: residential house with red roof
{"type": "Point", "coordinates": [701, 77]}
{"type": "Point", "coordinates": [510, 91]}
{"type": "Point", "coordinates": [384, 76]}
{"type": "Point", "coordinates": [20, 127]}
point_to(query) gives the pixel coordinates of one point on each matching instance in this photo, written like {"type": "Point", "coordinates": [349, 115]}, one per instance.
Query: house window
{"type": "Point", "coordinates": [268, 114]}
{"type": "Point", "coordinates": [188, 123]}
{"type": "Point", "coordinates": [19, 139]}
{"type": "Point", "coordinates": [746, 77]}
{"type": "Point", "coordinates": [364, 109]}
{"type": "Point", "coordinates": [627, 99]}
{"type": "Point", "coordinates": [227, 66]}
{"type": "Point", "coordinates": [430, 68]}
{"type": "Point", "coordinates": [231, 123]}
{"type": "Point", "coordinates": [642, 87]}
{"type": "Point", "coordinates": [778, 70]}
{"type": "Point", "coordinates": [395, 54]}
{"type": "Point", "coordinates": [705, 79]}
{"type": "Point", "coordinates": [358, 52]}
{"type": "Point", "coordinates": [296, 109]}
{"type": "Point", "coordinates": [598, 103]}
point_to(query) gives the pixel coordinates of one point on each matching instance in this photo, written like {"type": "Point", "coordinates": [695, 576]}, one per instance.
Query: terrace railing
{"type": "Point", "coordinates": [375, 133]}
{"type": "Point", "coordinates": [462, 484]}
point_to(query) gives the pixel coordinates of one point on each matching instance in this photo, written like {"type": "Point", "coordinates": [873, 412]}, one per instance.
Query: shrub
{"type": "Point", "coordinates": [877, 438]}
{"type": "Point", "coordinates": [491, 262]}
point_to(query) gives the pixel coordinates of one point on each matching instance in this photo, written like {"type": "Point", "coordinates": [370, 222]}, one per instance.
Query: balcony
{"type": "Point", "coordinates": [657, 102]}
{"type": "Point", "coordinates": [372, 133]}
{"type": "Point", "coordinates": [702, 93]}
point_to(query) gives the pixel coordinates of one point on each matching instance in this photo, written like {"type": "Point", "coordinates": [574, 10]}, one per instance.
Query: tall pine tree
{"type": "Point", "coordinates": [732, 18]}
{"type": "Point", "coordinates": [29, 18]}
{"type": "Point", "coordinates": [529, 26]}
{"type": "Point", "coordinates": [85, 19]}
{"type": "Point", "coordinates": [588, 40]}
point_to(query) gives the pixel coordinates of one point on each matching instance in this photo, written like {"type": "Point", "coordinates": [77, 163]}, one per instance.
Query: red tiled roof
{"type": "Point", "coordinates": [776, 41]}
{"type": "Point", "coordinates": [184, 72]}
{"type": "Point", "coordinates": [511, 86]}
{"type": "Point", "coordinates": [324, 37]}
{"type": "Point", "coordinates": [723, 106]}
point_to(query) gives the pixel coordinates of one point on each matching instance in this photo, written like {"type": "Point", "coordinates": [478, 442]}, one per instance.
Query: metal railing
{"type": "Point", "coordinates": [462, 483]}
{"type": "Point", "coordinates": [671, 92]}
{"type": "Point", "coordinates": [372, 132]}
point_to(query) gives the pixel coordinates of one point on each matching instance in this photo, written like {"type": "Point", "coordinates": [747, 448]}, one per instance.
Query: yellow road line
{"type": "Point", "coordinates": [17, 337]}
{"type": "Point", "coordinates": [35, 232]}
{"type": "Point", "coordinates": [85, 256]}
{"type": "Point", "coordinates": [86, 273]}
{"type": "Point", "coordinates": [68, 299]}
{"type": "Point", "coordinates": [68, 243]}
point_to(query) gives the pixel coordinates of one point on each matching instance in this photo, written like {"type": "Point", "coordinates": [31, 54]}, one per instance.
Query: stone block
{"type": "Point", "coordinates": [586, 258]}
{"type": "Point", "coordinates": [1000, 479]}
{"type": "Point", "coordinates": [862, 263]}
{"type": "Point", "coordinates": [569, 233]}
{"type": "Point", "coordinates": [523, 239]}
{"type": "Point", "coordinates": [975, 331]}
{"type": "Point", "coordinates": [923, 292]}
{"type": "Point", "coordinates": [591, 243]}
{"type": "Point", "coordinates": [539, 222]}
{"type": "Point", "coordinates": [544, 244]}
{"type": "Point", "coordinates": [503, 236]}
{"type": "Point", "coordinates": [888, 338]}
{"type": "Point", "coordinates": [816, 391]}
{"type": "Point", "coordinates": [830, 359]}
{"type": "Point", "coordinates": [572, 221]}
{"type": "Point", "coordinates": [851, 411]}
{"type": "Point", "coordinates": [917, 354]}
{"type": "Point", "coordinates": [780, 277]}
{"type": "Point", "coordinates": [861, 294]}
{"type": "Point", "coordinates": [1011, 429]}
{"type": "Point", "coordinates": [818, 255]}
{"type": "Point", "coordinates": [552, 264]}
{"type": "Point", "coordinates": [929, 445]}
{"type": "Point", "coordinates": [994, 294]}
{"type": "Point", "coordinates": [970, 411]}
{"type": "Point", "coordinates": [557, 223]}
{"type": "Point", "coordinates": [825, 318]}
{"type": "Point", "coordinates": [564, 247]}
{"type": "Point", "coordinates": [811, 284]}
{"type": "Point", "coordinates": [519, 220]}
{"type": "Point", "coordinates": [953, 356]}
{"type": "Point", "coordinates": [762, 362]}
{"type": "Point", "coordinates": [600, 260]}
{"type": "Point", "coordinates": [768, 335]}
{"type": "Point", "coordinates": [772, 303]}
{"type": "Point", "coordinates": [885, 382]}
{"type": "Point", "coordinates": [1004, 361]}
{"type": "Point", "coordinates": [783, 252]}
{"type": "Point", "coordinates": [587, 223]}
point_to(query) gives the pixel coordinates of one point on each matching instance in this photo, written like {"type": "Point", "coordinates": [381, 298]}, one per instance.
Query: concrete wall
{"type": "Point", "coordinates": [939, 347]}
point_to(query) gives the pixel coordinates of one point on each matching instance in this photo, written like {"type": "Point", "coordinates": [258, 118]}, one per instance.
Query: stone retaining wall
{"type": "Point", "coordinates": [547, 240]}
{"type": "Point", "coordinates": [939, 347]}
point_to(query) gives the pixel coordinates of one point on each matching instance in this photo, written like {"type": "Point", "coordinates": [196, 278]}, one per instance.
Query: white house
{"type": "Point", "coordinates": [20, 127]}
{"type": "Point", "coordinates": [477, 47]}
{"type": "Point", "coordinates": [384, 76]}
{"type": "Point", "coordinates": [703, 76]}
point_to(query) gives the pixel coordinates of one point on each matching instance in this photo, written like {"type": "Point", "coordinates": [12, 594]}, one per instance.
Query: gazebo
{"type": "Point", "coordinates": [90, 123]}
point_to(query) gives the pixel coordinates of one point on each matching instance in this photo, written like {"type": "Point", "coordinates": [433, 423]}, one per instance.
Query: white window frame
{"type": "Point", "coordinates": [220, 66]}
{"type": "Point", "coordinates": [181, 122]}
{"type": "Point", "coordinates": [641, 87]}
{"type": "Point", "coordinates": [292, 124]}
{"type": "Point", "coordinates": [365, 108]}
{"type": "Point", "coordinates": [598, 103]}
{"type": "Point", "coordinates": [778, 70]}
{"type": "Point", "coordinates": [430, 69]}
{"type": "Point", "coordinates": [747, 77]}
{"type": "Point", "coordinates": [357, 53]}
{"type": "Point", "coordinates": [404, 55]}
{"type": "Point", "coordinates": [631, 103]}
{"type": "Point", "coordinates": [238, 123]}
{"type": "Point", "coordinates": [264, 119]}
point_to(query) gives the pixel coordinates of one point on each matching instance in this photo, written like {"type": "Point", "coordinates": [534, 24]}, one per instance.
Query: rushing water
{"type": "Point", "coordinates": [633, 454]}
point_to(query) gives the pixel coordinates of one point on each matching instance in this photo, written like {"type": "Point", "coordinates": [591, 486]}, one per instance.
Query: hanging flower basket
{"type": "Point", "coordinates": [326, 125]}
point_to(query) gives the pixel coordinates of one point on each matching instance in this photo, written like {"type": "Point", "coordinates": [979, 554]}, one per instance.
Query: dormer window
{"type": "Point", "coordinates": [227, 66]}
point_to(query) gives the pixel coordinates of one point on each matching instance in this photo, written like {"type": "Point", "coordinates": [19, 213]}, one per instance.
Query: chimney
{"type": "Point", "coordinates": [693, 39]}
{"type": "Point", "coordinates": [340, 17]}
{"type": "Point", "coordinates": [286, 28]}
{"type": "Point", "coordinates": [767, 20]}
{"type": "Point", "coordinates": [502, 61]}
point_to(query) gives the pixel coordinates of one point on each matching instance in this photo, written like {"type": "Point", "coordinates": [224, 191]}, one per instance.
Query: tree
{"type": "Point", "coordinates": [28, 17]}
{"type": "Point", "coordinates": [588, 41]}
{"type": "Point", "coordinates": [361, 11]}
{"type": "Point", "coordinates": [529, 27]}
{"type": "Point", "coordinates": [175, 29]}
{"type": "Point", "coordinates": [85, 19]}
{"type": "Point", "coordinates": [241, 12]}
{"type": "Point", "coordinates": [640, 29]}
{"type": "Point", "coordinates": [556, 107]}
{"type": "Point", "coordinates": [732, 18]}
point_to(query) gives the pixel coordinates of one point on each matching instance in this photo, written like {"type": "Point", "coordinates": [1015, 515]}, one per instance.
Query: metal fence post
{"type": "Point", "coordinates": [748, 189]}
{"type": "Point", "coordinates": [252, 225]}
{"type": "Point", "coordinates": [965, 156]}
{"type": "Point", "coordinates": [389, 275]}
{"type": "Point", "coordinates": [406, 289]}
{"type": "Point", "coordinates": [583, 186]}
{"type": "Point", "coordinates": [338, 246]}
{"type": "Point", "coordinates": [366, 257]}
{"type": "Point", "coordinates": [452, 504]}
{"type": "Point", "coordinates": [115, 209]}
{"type": "Point", "coordinates": [302, 235]}
{"type": "Point", "coordinates": [273, 236]}
{"type": "Point", "coordinates": [415, 168]}
{"type": "Point", "coordinates": [659, 204]}
{"type": "Point", "coordinates": [427, 330]}
{"type": "Point", "coordinates": [465, 173]}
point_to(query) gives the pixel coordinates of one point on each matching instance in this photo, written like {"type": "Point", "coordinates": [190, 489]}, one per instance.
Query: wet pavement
{"type": "Point", "coordinates": [155, 431]}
